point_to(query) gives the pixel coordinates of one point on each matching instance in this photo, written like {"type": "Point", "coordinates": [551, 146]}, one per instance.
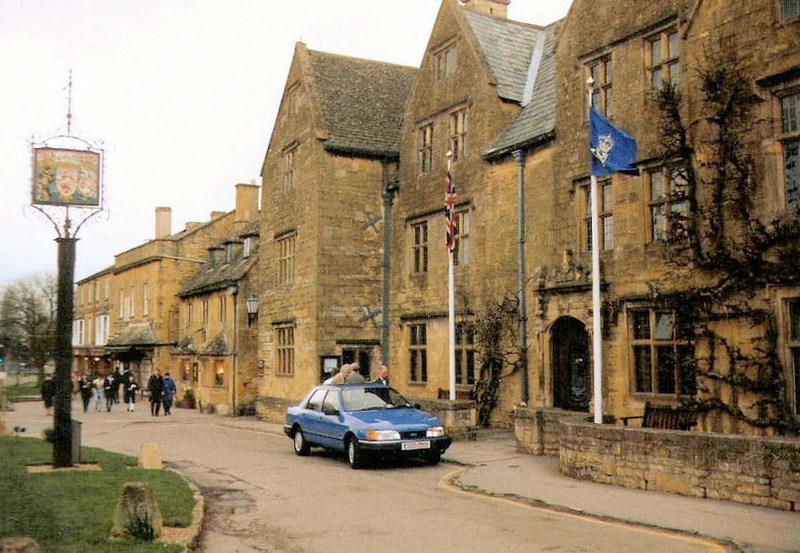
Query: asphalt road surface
{"type": "Point", "coordinates": [262, 497]}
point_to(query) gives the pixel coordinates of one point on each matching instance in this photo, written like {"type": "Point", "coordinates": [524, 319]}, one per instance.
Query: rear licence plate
{"type": "Point", "coordinates": [411, 446]}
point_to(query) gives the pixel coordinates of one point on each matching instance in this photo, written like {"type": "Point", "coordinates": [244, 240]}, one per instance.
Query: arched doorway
{"type": "Point", "coordinates": [570, 364]}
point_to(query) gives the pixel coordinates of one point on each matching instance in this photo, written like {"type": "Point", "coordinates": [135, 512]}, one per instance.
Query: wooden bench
{"type": "Point", "coordinates": [666, 417]}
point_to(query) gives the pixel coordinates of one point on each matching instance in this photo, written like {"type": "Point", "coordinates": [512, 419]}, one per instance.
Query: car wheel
{"type": "Point", "coordinates": [433, 457]}
{"type": "Point", "coordinates": [355, 457]}
{"type": "Point", "coordinates": [301, 446]}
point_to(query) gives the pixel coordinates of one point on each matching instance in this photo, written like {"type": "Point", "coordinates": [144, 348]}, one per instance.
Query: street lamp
{"type": "Point", "coordinates": [252, 309]}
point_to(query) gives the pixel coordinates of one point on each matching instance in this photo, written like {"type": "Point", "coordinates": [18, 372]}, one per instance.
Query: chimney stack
{"type": "Point", "coordinates": [497, 8]}
{"type": "Point", "coordinates": [246, 202]}
{"type": "Point", "coordinates": [163, 222]}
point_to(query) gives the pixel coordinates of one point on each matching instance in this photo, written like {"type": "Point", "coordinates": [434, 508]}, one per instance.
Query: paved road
{"type": "Point", "coordinates": [261, 497]}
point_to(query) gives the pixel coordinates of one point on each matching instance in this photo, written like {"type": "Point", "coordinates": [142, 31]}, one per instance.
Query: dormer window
{"type": "Point", "coordinates": [229, 252]}
{"type": "Point", "coordinates": [248, 244]}
{"type": "Point", "coordinates": [445, 62]}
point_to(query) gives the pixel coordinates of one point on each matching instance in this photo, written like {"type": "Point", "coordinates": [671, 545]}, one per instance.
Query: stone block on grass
{"type": "Point", "coordinates": [137, 516]}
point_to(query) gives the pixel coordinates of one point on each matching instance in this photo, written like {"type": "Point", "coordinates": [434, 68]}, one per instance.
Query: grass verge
{"type": "Point", "coordinates": [68, 511]}
{"type": "Point", "coordinates": [23, 389]}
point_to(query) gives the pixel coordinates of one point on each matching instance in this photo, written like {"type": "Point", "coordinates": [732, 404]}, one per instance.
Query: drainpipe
{"type": "Point", "coordinates": [519, 155]}
{"type": "Point", "coordinates": [234, 291]}
{"type": "Point", "coordinates": [390, 188]}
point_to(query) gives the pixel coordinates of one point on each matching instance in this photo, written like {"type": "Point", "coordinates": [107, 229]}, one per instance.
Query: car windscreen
{"type": "Point", "coordinates": [363, 399]}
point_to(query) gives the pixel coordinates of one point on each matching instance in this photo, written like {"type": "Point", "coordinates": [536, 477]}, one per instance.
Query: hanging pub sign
{"type": "Point", "coordinates": [66, 177]}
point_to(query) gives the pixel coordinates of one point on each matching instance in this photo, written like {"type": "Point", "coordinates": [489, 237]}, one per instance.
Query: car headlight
{"type": "Point", "coordinates": [381, 435]}
{"type": "Point", "coordinates": [434, 432]}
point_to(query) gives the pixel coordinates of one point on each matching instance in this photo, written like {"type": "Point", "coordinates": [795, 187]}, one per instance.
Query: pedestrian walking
{"type": "Point", "coordinates": [108, 390]}
{"type": "Point", "coordinates": [170, 389]}
{"type": "Point", "coordinates": [48, 390]}
{"type": "Point", "coordinates": [85, 386]}
{"type": "Point", "coordinates": [156, 388]}
{"type": "Point", "coordinates": [130, 389]}
{"type": "Point", "coordinates": [99, 395]}
{"type": "Point", "coordinates": [117, 384]}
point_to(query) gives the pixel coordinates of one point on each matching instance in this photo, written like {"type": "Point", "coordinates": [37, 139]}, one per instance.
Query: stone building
{"type": "Point", "coordinates": [92, 324]}
{"type": "Point", "coordinates": [332, 152]}
{"type": "Point", "coordinates": [145, 314]}
{"type": "Point", "coordinates": [216, 351]}
{"type": "Point", "coordinates": [661, 343]}
{"type": "Point", "coordinates": [478, 71]}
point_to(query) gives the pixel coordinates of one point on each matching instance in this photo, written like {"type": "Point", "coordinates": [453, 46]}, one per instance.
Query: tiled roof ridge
{"type": "Point", "coordinates": [502, 19]}
{"type": "Point", "coordinates": [358, 59]}
{"type": "Point", "coordinates": [507, 47]}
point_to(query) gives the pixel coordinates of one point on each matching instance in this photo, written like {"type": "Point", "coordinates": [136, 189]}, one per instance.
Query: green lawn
{"type": "Point", "coordinates": [22, 389]}
{"type": "Point", "coordinates": [71, 511]}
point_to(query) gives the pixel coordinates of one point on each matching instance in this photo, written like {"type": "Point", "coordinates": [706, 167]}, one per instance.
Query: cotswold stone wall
{"type": "Point", "coordinates": [536, 430]}
{"type": "Point", "coordinates": [746, 469]}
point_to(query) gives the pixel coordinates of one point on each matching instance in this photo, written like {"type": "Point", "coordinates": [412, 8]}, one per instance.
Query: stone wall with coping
{"type": "Point", "coordinates": [460, 416]}
{"type": "Point", "coordinates": [754, 470]}
{"type": "Point", "coordinates": [536, 429]}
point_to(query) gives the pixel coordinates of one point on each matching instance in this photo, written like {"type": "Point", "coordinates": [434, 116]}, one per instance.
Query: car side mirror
{"type": "Point", "coordinates": [330, 411]}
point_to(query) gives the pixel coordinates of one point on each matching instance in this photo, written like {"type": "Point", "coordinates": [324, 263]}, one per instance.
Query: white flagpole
{"type": "Point", "coordinates": [451, 323]}
{"type": "Point", "coordinates": [597, 316]}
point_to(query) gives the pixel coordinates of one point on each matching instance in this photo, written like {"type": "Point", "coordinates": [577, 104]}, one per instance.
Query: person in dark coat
{"type": "Point", "coordinates": [48, 390]}
{"type": "Point", "coordinates": [156, 388]}
{"type": "Point", "coordinates": [383, 376]}
{"type": "Point", "coordinates": [108, 388]}
{"type": "Point", "coordinates": [170, 389]}
{"type": "Point", "coordinates": [117, 384]}
{"type": "Point", "coordinates": [85, 386]}
{"type": "Point", "coordinates": [130, 389]}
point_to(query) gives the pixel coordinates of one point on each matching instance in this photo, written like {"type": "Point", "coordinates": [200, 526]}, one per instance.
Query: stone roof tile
{"type": "Point", "coordinates": [361, 102]}
{"type": "Point", "coordinates": [536, 122]}
{"type": "Point", "coordinates": [508, 47]}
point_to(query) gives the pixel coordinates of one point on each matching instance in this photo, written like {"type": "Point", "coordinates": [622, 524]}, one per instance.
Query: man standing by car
{"type": "Point", "coordinates": [383, 376]}
{"type": "Point", "coordinates": [354, 377]}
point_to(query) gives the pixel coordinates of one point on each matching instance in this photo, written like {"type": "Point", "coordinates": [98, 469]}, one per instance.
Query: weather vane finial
{"type": "Point", "coordinates": [69, 105]}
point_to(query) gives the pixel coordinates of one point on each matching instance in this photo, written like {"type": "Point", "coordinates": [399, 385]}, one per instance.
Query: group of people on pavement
{"type": "Point", "coordinates": [349, 374]}
{"type": "Point", "coordinates": [162, 392]}
{"type": "Point", "coordinates": [106, 390]}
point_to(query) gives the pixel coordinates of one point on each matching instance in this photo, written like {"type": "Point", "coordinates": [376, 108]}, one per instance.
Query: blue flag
{"type": "Point", "coordinates": [613, 150]}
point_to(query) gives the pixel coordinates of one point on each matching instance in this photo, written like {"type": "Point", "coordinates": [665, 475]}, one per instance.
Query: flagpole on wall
{"type": "Point", "coordinates": [597, 317]}
{"type": "Point", "coordinates": [451, 323]}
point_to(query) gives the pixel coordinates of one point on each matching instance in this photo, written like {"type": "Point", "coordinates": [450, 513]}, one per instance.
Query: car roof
{"type": "Point", "coordinates": [353, 385]}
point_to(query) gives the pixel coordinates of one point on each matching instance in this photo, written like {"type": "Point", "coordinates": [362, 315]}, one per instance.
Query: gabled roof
{"type": "Point", "coordinates": [217, 276]}
{"type": "Point", "coordinates": [508, 47]}
{"type": "Point", "coordinates": [360, 102]}
{"type": "Point", "coordinates": [537, 120]}
{"type": "Point", "coordinates": [221, 274]}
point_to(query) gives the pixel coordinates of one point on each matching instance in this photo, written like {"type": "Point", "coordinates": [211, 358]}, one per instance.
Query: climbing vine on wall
{"type": "Point", "coordinates": [717, 241]}
{"type": "Point", "coordinates": [497, 350]}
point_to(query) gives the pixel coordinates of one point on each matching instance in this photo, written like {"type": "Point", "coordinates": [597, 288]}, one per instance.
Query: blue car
{"type": "Point", "coordinates": [363, 420]}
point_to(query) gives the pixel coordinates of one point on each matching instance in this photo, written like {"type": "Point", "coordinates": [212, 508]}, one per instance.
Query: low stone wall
{"type": "Point", "coordinates": [761, 471]}
{"type": "Point", "coordinates": [459, 416]}
{"type": "Point", "coordinates": [536, 429]}
{"type": "Point", "coordinates": [272, 409]}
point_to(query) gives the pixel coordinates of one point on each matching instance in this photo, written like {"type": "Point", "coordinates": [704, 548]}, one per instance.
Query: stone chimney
{"type": "Point", "coordinates": [163, 222]}
{"type": "Point", "coordinates": [497, 8]}
{"type": "Point", "coordinates": [246, 202]}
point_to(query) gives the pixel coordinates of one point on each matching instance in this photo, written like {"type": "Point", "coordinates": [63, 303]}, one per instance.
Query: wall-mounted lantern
{"type": "Point", "coordinates": [252, 309]}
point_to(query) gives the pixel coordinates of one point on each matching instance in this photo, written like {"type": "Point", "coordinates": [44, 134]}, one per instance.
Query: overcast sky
{"type": "Point", "coordinates": [181, 95]}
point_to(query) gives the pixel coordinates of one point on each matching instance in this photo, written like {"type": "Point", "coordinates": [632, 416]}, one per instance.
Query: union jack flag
{"type": "Point", "coordinates": [451, 219]}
